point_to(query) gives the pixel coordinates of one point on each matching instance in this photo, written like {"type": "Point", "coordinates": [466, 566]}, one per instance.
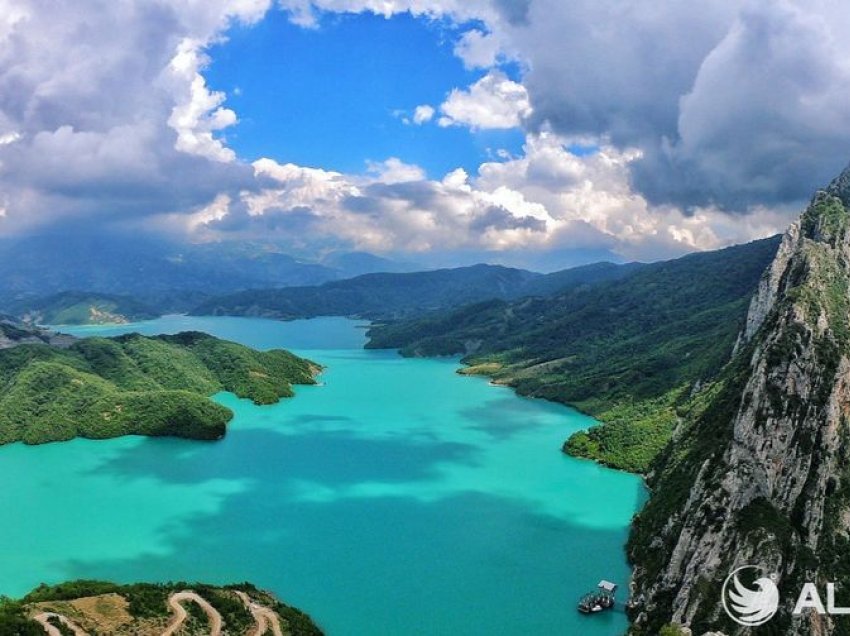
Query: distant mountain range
{"type": "Point", "coordinates": [391, 296]}
{"type": "Point", "coordinates": [169, 275]}
{"type": "Point", "coordinates": [73, 279]}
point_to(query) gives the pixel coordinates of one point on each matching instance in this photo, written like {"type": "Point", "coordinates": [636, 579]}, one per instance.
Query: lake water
{"type": "Point", "coordinates": [395, 498]}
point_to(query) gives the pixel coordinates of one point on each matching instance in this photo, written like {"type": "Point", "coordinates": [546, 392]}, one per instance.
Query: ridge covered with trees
{"type": "Point", "coordinates": [132, 384]}
{"type": "Point", "coordinates": [629, 351]}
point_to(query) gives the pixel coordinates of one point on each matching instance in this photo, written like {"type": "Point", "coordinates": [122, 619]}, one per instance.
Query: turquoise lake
{"type": "Point", "coordinates": [395, 498]}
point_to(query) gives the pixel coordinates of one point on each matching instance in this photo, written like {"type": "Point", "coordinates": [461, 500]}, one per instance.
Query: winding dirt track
{"type": "Point", "coordinates": [180, 614]}
{"type": "Point", "coordinates": [53, 631]}
{"type": "Point", "coordinates": [263, 616]}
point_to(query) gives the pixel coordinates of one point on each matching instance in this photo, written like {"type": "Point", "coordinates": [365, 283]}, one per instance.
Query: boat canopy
{"type": "Point", "coordinates": [608, 586]}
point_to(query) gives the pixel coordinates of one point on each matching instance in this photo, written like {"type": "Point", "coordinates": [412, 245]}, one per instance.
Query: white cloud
{"type": "Point", "coordinates": [215, 211]}
{"type": "Point", "coordinates": [494, 101]}
{"type": "Point", "coordinates": [198, 113]}
{"type": "Point", "coordinates": [767, 117]}
{"type": "Point", "coordinates": [299, 186]}
{"type": "Point", "coordinates": [307, 12]}
{"type": "Point", "coordinates": [478, 49]}
{"type": "Point", "coordinates": [423, 114]}
{"type": "Point", "coordinates": [121, 124]}
{"type": "Point", "coordinates": [9, 138]}
{"type": "Point", "coordinates": [742, 103]}
{"type": "Point", "coordinates": [545, 199]}
{"type": "Point", "coordinates": [104, 111]}
{"type": "Point", "coordinates": [394, 170]}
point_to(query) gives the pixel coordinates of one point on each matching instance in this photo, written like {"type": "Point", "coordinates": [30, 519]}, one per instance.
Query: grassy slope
{"type": "Point", "coordinates": [627, 351]}
{"type": "Point", "coordinates": [107, 387]}
{"type": "Point", "coordinates": [81, 308]}
{"type": "Point", "coordinates": [149, 600]}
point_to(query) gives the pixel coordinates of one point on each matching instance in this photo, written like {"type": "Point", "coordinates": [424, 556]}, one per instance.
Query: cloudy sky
{"type": "Point", "coordinates": [523, 131]}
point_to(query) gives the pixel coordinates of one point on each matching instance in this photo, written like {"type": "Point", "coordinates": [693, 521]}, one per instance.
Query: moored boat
{"type": "Point", "coordinates": [600, 599]}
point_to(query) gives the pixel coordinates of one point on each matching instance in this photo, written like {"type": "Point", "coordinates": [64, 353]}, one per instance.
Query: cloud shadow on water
{"type": "Point", "coordinates": [504, 417]}
{"type": "Point", "coordinates": [332, 459]}
{"type": "Point", "coordinates": [471, 563]}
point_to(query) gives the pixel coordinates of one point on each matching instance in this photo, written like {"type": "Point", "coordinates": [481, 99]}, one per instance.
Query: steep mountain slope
{"type": "Point", "coordinates": [760, 476]}
{"type": "Point", "coordinates": [107, 387]}
{"type": "Point", "coordinates": [82, 308]}
{"type": "Point", "coordinates": [629, 351]}
{"type": "Point", "coordinates": [385, 296]}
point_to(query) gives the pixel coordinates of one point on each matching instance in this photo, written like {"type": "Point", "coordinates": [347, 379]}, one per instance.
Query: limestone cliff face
{"type": "Point", "coordinates": [761, 476]}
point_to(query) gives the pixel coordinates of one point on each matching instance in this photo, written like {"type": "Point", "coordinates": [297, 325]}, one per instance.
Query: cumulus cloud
{"type": "Point", "coordinates": [394, 170]}
{"type": "Point", "coordinates": [742, 103]}
{"type": "Point", "coordinates": [767, 118]}
{"type": "Point", "coordinates": [494, 101]}
{"type": "Point", "coordinates": [198, 113]}
{"type": "Point", "coordinates": [107, 111]}
{"type": "Point", "coordinates": [546, 199]}
{"type": "Point", "coordinates": [740, 106]}
{"type": "Point", "coordinates": [478, 49]}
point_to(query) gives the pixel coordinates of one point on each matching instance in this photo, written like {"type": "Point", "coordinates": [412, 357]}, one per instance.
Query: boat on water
{"type": "Point", "coordinates": [600, 599]}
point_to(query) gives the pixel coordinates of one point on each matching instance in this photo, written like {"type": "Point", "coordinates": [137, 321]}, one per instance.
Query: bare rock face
{"type": "Point", "coordinates": [13, 334]}
{"type": "Point", "coordinates": [771, 283]}
{"type": "Point", "coordinates": [761, 477]}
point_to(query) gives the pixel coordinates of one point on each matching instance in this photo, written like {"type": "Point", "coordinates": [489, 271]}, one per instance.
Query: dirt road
{"type": "Point", "coordinates": [53, 631]}
{"type": "Point", "coordinates": [180, 614]}
{"type": "Point", "coordinates": [264, 617]}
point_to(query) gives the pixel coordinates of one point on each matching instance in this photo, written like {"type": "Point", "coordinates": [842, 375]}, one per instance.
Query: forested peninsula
{"type": "Point", "coordinates": [136, 385]}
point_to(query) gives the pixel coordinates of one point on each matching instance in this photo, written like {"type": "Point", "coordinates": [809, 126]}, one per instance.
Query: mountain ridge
{"type": "Point", "coordinates": [382, 296]}
{"type": "Point", "coordinates": [760, 475]}
{"type": "Point", "coordinates": [628, 351]}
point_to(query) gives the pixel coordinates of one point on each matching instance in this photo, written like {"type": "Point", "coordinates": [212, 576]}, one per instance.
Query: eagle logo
{"type": "Point", "coordinates": [750, 607]}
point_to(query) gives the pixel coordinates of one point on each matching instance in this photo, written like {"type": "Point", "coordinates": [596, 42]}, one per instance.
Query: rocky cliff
{"type": "Point", "coordinates": [13, 334]}
{"type": "Point", "coordinates": [760, 475]}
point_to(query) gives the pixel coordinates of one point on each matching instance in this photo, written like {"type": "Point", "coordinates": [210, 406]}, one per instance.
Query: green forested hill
{"type": "Point", "coordinates": [627, 351]}
{"type": "Point", "coordinates": [132, 384]}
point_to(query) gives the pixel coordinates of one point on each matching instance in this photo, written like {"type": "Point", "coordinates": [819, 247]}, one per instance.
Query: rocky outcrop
{"type": "Point", "coordinates": [771, 285]}
{"type": "Point", "coordinates": [761, 477]}
{"type": "Point", "coordinates": [13, 334]}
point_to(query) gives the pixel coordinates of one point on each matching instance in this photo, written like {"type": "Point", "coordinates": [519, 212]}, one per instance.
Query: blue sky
{"type": "Point", "coordinates": [336, 96]}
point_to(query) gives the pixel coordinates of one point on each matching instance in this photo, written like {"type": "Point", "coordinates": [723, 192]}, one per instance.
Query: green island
{"type": "Point", "coordinates": [98, 608]}
{"type": "Point", "coordinates": [132, 384]}
{"type": "Point", "coordinates": [638, 353]}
